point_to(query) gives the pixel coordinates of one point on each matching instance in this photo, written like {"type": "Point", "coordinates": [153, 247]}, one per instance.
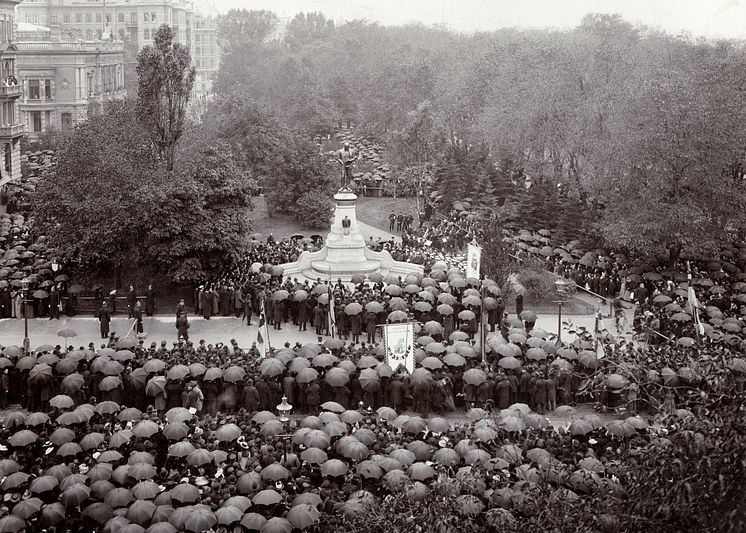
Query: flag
{"type": "Point", "coordinates": [694, 305]}
{"type": "Point", "coordinates": [262, 333]}
{"type": "Point", "coordinates": [332, 317]}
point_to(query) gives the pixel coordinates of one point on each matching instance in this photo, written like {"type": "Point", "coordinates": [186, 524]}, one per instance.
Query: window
{"type": "Point", "coordinates": [146, 16]}
{"type": "Point", "coordinates": [199, 51]}
{"type": "Point", "coordinates": [147, 34]}
{"type": "Point", "coordinates": [98, 18]}
{"type": "Point", "coordinates": [88, 18]}
{"type": "Point", "coordinates": [66, 121]}
{"type": "Point", "coordinates": [108, 18]}
{"type": "Point", "coordinates": [36, 120]}
{"type": "Point", "coordinates": [54, 19]}
{"type": "Point", "coordinates": [48, 89]}
{"type": "Point", "coordinates": [67, 18]}
{"type": "Point", "coordinates": [199, 63]}
{"type": "Point", "coordinates": [79, 18]}
{"type": "Point", "coordinates": [133, 18]}
{"type": "Point", "coordinates": [152, 16]}
{"type": "Point", "coordinates": [36, 18]}
{"type": "Point", "coordinates": [8, 158]}
{"type": "Point", "coordinates": [120, 17]}
{"type": "Point", "coordinates": [33, 89]}
{"type": "Point", "coordinates": [88, 35]}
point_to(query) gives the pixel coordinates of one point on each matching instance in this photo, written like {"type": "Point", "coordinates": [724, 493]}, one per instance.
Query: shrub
{"type": "Point", "coordinates": [314, 210]}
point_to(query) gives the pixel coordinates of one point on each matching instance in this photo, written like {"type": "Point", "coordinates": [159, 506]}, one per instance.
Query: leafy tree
{"type": "Point", "coordinates": [93, 205]}
{"type": "Point", "coordinates": [166, 79]}
{"type": "Point", "coordinates": [109, 204]}
{"type": "Point", "coordinates": [314, 209]}
{"type": "Point", "coordinates": [239, 29]}
{"type": "Point", "coordinates": [285, 163]}
{"type": "Point", "coordinates": [307, 29]}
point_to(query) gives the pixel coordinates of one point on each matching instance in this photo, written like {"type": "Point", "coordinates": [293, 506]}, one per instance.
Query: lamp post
{"type": "Point", "coordinates": [560, 286]}
{"type": "Point", "coordinates": [284, 409]}
{"type": "Point", "coordinates": [24, 302]}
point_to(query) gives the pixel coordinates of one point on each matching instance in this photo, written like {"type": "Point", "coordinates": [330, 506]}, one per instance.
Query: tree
{"type": "Point", "coordinates": [109, 204]}
{"type": "Point", "coordinates": [307, 29]}
{"type": "Point", "coordinates": [239, 29]}
{"type": "Point", "coordinates": [166, 79]}
{"type": "Point", "coordinates": [93, 205]}
{"type": "Point", "coordinates": [203, 216]}
{"type": "Point", "coordinates": [314, 209]}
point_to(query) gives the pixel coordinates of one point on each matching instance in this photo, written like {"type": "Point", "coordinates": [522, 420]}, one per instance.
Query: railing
{"type": "Point", "coordinates": [12, 131]}
{"type": "Point", "coordinates": [13, 90]}
{"type": "Point", "coordinates": [84, 46]}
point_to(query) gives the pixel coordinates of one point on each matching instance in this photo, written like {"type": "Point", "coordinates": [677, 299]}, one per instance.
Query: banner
{"type": "Point", "coordinates": [473, 260]}
{"type": "Point", "coordinates": [262, 334]}
{"type": "Point", "coordinates": [399, 342]}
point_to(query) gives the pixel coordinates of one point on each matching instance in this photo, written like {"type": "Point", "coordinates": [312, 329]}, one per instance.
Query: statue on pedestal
{"type": "Point", "coordinates": [347, 157]}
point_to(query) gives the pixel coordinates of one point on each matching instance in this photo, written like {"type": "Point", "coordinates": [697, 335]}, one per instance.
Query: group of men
{"type": "Point", "coordinates": [400, 222]}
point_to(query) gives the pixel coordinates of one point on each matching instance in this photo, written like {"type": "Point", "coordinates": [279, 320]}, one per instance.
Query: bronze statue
{"type": "Point", "coordinates": [347, 157]}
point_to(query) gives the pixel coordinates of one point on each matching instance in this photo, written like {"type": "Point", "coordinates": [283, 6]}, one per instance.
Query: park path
{"type": "Point", "coordinates": [369, 231]}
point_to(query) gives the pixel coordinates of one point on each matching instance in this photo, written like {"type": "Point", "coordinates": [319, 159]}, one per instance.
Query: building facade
{"type": "Point", "coordinates": [205, 55]}
{"type": "Point", "coordinates": [61, 79]}
{"type": "Point", "coordinates": [128, 20]}
{"type": "Point", "coordinates": [11, 127]}
{"type": "Point", "coordinates": [135, 23]}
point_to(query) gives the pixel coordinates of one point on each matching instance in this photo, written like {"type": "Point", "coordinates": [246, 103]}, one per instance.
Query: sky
{"type": "Point", "coordinates": [707, 18]}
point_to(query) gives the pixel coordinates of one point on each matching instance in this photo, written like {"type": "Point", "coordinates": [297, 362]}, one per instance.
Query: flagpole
{"type": "Point", "coordinates": [263, 324]}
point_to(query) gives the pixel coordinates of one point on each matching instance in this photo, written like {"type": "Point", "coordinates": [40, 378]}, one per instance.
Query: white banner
{"type": "Point", "coordinates": [399, 339]}
{"type": "Point", "coordinates": [473, 261]}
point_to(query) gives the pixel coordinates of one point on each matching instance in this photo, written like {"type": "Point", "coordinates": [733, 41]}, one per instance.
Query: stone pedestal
{"type": "Point", "coordinates": [345, 253]}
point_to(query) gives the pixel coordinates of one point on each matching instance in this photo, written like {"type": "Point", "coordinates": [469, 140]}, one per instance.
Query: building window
{"type": "Point", "coordinates": [147, 34]}
{"type": "Point", "coordinates": [152, 16]}
{"type": "Point", "coordinates": [146, 16]}
{"type": "Point", "coordinates": [79, 18]}
{"type": "Point", "coordinates": [8, 158]}
{"type": "Point", "coordinates": [120, 17]}
{"type": "Point", "coordinates": [54, 19]}
{"type": "Point", "coordinates": [67, 18]}
{"type": "Point", "coordinates": [48, 89]}
{"type": "Point", "coordinates": [33, 89]}
{"type": "Point", "coordinates": [88, 18]}
{"type": "Point", "coordinates": [66, 121]}
{"type": "Point", "coordinates": [108, 18]}
{"type": "Point", "coordinates": [98, 18]}
{"type": "Point", "coordinates": [88, 35]}
{"type": "Point", "coordinates": [133, 18]}
{"type": "Point", "coordinates": [36, 18]}
{"type": "Point", "coordinates": [36, 120]}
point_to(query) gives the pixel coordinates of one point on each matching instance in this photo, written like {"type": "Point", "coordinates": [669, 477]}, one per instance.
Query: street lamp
{"type": "Point", "coordinates": [561, 286]}
{"type": "Point", "coordinates": [284, 410]}
{"type": "Point", "coordinates": [24, 308]}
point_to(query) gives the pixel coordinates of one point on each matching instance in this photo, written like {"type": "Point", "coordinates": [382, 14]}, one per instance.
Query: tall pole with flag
{"type": "Point", "coordinates": [699, 328]}
{"type": "Point", "coordinates": [262, 334]}
{"type": "Point", "coordinates": [332, 317]}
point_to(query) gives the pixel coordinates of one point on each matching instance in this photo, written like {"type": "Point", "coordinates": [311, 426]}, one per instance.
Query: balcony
{"type": "Point", "coordinates": [16, 130]}
{"type": "Point", "coordinates": [10, 92]}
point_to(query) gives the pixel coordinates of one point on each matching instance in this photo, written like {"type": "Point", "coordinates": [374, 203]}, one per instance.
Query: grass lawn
{"type": "Point", "coordinates": [372, 211]}
{"type": "Point", "coordinates": [375, 211]}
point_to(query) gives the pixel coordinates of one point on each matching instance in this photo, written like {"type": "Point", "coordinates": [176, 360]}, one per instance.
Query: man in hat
{"type": "Point", "coordinates": [104, 319]}
{"type": "Point", "coordinates": [195, 398]}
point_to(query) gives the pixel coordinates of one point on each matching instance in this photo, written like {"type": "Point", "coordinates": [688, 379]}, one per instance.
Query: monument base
{"type": "Point", "coordinates": [344, 253]}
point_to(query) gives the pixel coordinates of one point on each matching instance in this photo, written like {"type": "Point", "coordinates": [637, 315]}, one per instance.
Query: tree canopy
{"type": "Point", "coordinates": [110, 204]}
{"type": "Point", "coordinates": [635, 129]}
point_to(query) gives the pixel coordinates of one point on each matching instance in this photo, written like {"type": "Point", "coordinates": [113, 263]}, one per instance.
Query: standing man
{"type": "Point", "coordinates": [150, 301]}
{"type": "Point", "coordinates": [137, 315]}
{"type": "Point", "coordinates": [346, 157]}
{"type": "Point", "coordinates": [131, 301]}
{"type": "Point", "coordinates": [54, 303]}
{"type": "Point", "coordinates": [392, 221]}
{"type": "Point", "coordinates": [104, 319]}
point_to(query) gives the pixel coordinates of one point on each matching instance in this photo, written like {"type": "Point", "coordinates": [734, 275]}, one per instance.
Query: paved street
{"type": "Point", "coordinates": [217, 329]}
